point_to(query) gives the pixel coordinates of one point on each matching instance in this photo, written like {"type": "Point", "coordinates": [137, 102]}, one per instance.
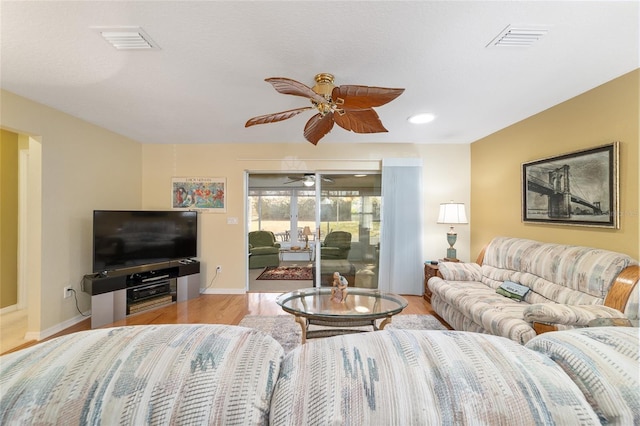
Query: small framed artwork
{"type": "Point", "coordinates": [578, 188]}
{"type": "Point", "coordinates": [199, 193]}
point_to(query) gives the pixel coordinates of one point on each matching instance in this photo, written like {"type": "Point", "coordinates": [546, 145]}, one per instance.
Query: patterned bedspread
{"type": "Point", "coordinates": [160, 374]}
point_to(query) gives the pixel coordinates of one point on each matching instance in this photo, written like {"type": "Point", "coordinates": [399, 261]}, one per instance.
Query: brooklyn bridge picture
{"type": "Point", "coordinates": [579, 188]}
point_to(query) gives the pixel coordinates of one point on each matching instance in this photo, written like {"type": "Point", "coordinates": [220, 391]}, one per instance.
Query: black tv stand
{"type": "Point", "coordinates": [116, 294]}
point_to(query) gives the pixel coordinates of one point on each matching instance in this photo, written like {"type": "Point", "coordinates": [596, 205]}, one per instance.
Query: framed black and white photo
{"type": "Point", "coordinates": [578, 188]}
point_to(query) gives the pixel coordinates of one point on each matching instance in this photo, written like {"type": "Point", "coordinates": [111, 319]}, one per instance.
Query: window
{"type": "Point", "coordinates": [285, 212]}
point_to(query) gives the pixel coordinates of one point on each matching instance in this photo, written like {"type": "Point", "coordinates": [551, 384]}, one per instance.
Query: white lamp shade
{"type": "Point", "coordinates": [452, 213]}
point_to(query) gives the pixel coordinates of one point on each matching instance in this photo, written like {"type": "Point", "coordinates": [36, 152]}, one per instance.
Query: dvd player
{"type": "Point", "coordinates": [146, 291]}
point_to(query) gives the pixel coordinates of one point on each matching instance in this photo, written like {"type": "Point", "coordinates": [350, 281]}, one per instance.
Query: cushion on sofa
{"type": "Point", "coordinates": [577, 315]}
{"type": "Point", "coordinates": [603, 361]}
{"type": "Point", "coordinates": [583, 269]}
{"type": "Point", "coordinates": [455, 318]}
{"type": "Point", "coordinates": [259, 251]}
{"type": "Point", "coordinates": [459, 271]}
{"type": "Point", "coordinates": [409, 377]}
{"type": "Point", "coordinates": [541, 290]}
{"type": "Point", "coordinates": [492, 312]}
{"type": "Point", "coordinates": [156, 374]}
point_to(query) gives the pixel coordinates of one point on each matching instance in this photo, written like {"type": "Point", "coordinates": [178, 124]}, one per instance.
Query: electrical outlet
{"type": "Point", "coordinates": [218, 268]}
{"type": "Point", "coordinates": [67, 292]}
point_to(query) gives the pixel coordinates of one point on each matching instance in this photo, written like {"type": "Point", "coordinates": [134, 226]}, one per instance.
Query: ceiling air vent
{"type": "Point", "coordinates": [518, 36]}
{"type": "Point", "coordinates": [126, 38]}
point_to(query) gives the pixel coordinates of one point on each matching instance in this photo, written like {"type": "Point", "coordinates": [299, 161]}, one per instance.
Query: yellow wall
{"type": "Point", "coordinates": [605, 114]}
{"type": "Point", "coordinates": [225, 244]}
{"type": "Point", "coordinates": [82, 167]}
{"type": "Point", "coordinates": [8, 219]}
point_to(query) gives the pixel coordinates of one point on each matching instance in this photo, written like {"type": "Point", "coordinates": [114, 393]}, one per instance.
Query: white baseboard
{"type": "Point", "coordinates": [222, 291]}
{"type": "Point", "coordinates": [8, 309]}
{"type": "Point", "coordinates": [39, 335]}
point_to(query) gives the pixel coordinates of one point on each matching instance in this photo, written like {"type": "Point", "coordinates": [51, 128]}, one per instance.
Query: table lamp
{"type": "Point", "coordinates": [306, 232]}
{"type": "Point", "coordinates": [452, 214]}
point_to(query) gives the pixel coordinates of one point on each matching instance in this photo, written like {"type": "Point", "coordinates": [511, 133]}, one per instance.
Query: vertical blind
{"type": "Point", "coordinates": [401, 259]}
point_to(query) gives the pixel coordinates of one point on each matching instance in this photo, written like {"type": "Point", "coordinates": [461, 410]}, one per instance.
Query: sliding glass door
{"type": "Point", "coordinates": [349, 228]}
{"type": "Point", "coordinates": [326, 222]}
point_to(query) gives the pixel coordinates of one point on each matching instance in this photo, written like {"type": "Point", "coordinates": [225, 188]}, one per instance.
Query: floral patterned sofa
{"type": "Point", "coordinates": [228, 375]}
{"type": "Point", "coordinates": [566, 287]}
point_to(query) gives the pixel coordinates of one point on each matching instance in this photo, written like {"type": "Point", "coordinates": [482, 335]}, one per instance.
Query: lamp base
{"type": "Point", "coordinates": [451, 259]}
{"type": "Point", "coordinates": [451, 253]}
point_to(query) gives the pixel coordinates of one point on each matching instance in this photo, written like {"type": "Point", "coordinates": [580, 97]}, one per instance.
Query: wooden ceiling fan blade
{"type": "Point", "coordinates": [278, 116]}
{"type": "Point", "coordinates": [288, 86]}
{"type": "Point", "coordinates": [317, 127]}
{"type": "Point", "coordinates": [361, 97]}
{"type": "Point", "coordinates": [360, 121]}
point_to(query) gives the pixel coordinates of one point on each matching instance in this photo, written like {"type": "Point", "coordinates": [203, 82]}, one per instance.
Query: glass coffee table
{"type": "Point", "coordinates": [361, 307]}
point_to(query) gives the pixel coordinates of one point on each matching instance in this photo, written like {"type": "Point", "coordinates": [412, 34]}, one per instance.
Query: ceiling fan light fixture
{"type": "Point", "coordinates": [324, 84]}
{"type": "Point", "coordinates": [308, 182]}
{"type": "Point", "coordinates": [422, 118]}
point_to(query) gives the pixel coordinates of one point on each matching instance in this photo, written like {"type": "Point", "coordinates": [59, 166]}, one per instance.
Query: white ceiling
{"type": "Point", "coordinates": [207, 78]}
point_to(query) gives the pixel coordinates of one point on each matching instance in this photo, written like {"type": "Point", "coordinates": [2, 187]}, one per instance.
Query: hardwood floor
{"type": "Point", "coordinates": [219, 309]}
{"type": "Point", "coordinates": [13, 328]}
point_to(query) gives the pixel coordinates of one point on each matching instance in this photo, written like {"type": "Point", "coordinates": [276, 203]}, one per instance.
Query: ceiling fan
{"type": "Point", "coordinates": [350, 106]}
{"type": "Point", "coordinates": [308, 179]}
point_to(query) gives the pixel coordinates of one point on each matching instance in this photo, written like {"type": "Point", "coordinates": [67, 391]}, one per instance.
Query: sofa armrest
{"type": "Point", "coordinates": [599, 362]}
{"type": "Point", "coordinates": [575, 315]}
{"type": "Point", "coordinates": [459, 271]}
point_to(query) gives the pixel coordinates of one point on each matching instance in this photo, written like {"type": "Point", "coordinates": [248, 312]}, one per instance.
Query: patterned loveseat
{"type": "Point", "coordinates": [229, 375]}
{"type": "Point", "coordinates": [566, 287]}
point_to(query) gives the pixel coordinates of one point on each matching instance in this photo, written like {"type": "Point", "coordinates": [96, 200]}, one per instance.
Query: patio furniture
{"type": "Point", "coordinates": [263, 249]}
{"type": "Point", "coordinates": [336, 245]}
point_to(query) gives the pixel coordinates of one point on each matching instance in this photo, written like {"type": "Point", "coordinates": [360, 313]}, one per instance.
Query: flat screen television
{"type": "Point", "coordinates": [124, 239]}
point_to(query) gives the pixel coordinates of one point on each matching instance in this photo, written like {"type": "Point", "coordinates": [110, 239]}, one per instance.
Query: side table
{"type": "Point", "coordinates": [429, 271]}
{"type": "Point", "coordinates": [309, 251]}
